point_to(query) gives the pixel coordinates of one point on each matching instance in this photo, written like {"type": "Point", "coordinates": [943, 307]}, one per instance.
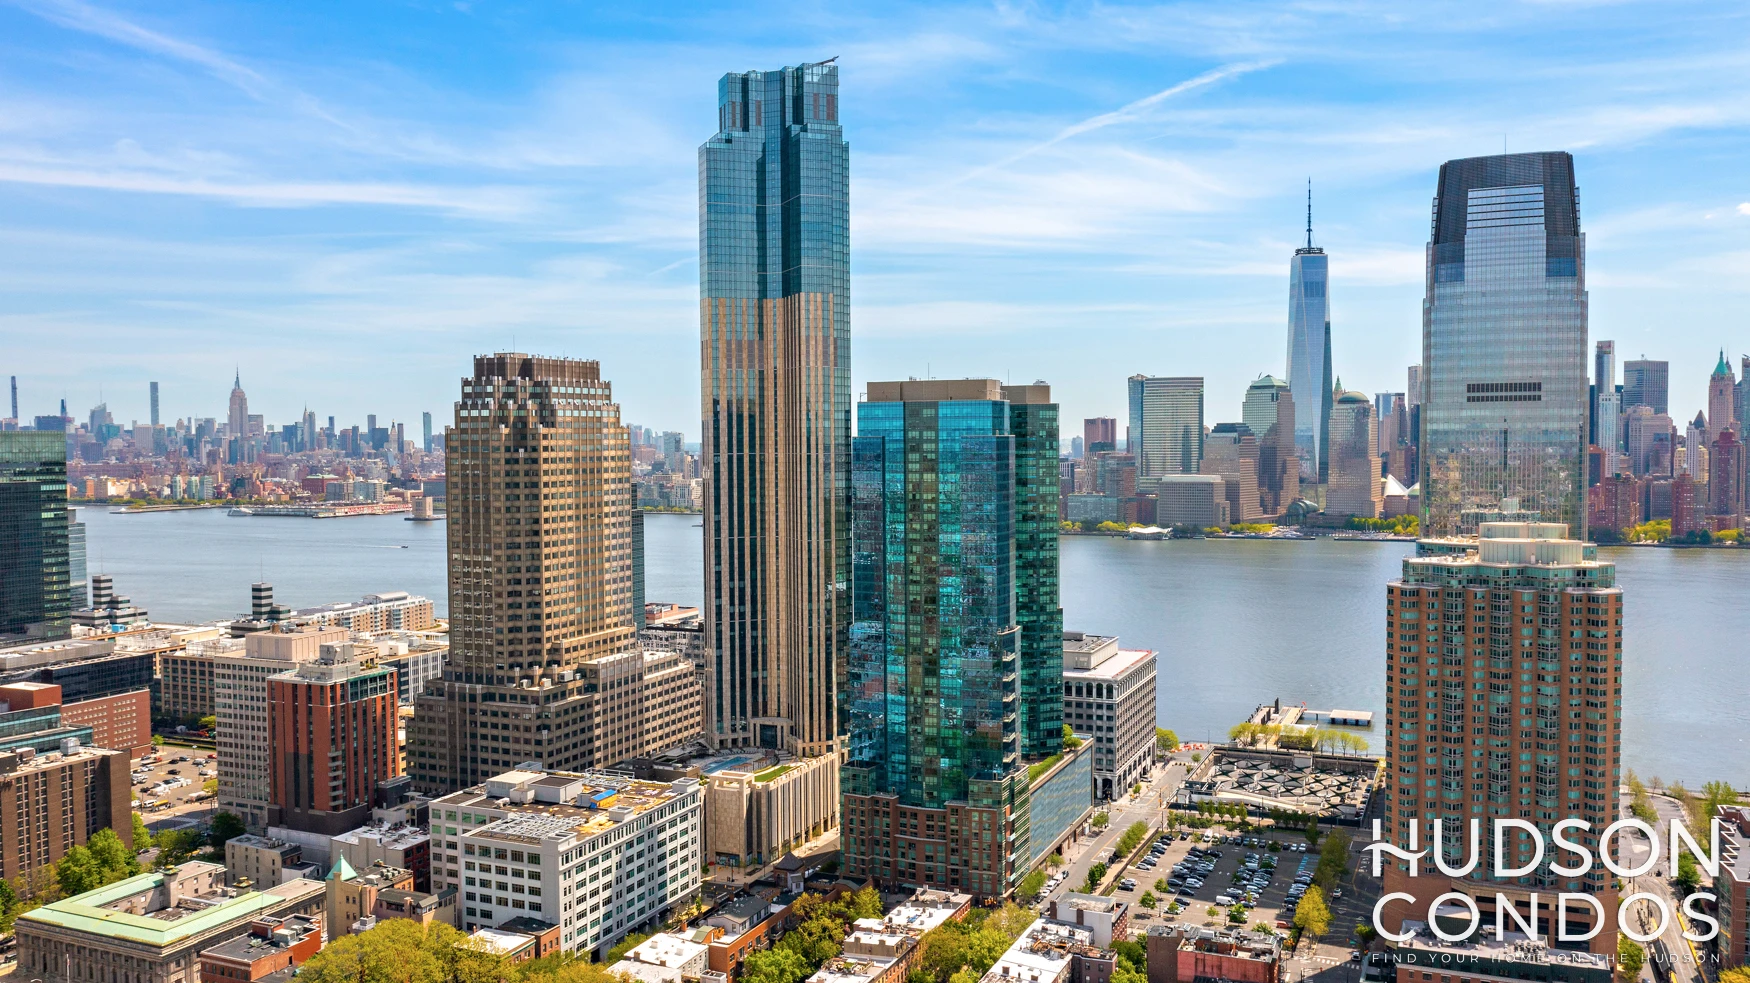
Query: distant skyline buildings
{"type": "Point", "coordinates": [1309, 352]}
{"type": "Point", "coordinates": [1504, 345]}
{"type": "Point", "coordinates": [1646, 382]}
{"type": "Point", "coordinates": [1166, 426]}
{"type": "Point", "coordinates": [1269, 412]}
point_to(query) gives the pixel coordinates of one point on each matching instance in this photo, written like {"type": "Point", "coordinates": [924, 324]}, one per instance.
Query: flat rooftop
{"type": "Point", "coordinates": [1514, 948]}
{"type": "Point", "coordinates": [544, 804]}
{"type": "Point", "coordinates": [90, 912]}
{"type": "Point", "coordinates": [1042, 954]}
{"type": "Point", "coordinates": [852, 969]}
{"type": "Point", "coordinates": [1113, 668]}
{"type": "Point", "coordinates": [926, 909]}
{"type": "Point", "coordinates": [394, 836]}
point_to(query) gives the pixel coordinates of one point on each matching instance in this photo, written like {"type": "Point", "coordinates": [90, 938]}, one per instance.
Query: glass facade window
{"type": "Point", "coordinates": [1309, 357]}
{"type": "Point", "coordinates": [1166, 425]}
{"type": "Point", "coordinates": [35, 597]}
{"type": "Point", "coordinates": [1504, 345]}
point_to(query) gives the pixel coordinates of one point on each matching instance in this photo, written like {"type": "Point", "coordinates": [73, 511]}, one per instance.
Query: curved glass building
{"type": "Point", "coordinates": [1504, 346]}
{"type": "Point", "coordinates": [1309, 356]}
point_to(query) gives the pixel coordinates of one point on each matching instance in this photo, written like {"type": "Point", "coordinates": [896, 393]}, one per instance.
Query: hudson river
{"type": "Point", "coordinates": [1236, 623]}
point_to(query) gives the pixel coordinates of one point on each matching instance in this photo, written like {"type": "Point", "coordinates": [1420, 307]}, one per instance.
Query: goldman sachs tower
{"type": "Point", "coordinates": [1504, 346]}
{"type": "Point", "coordinates": [775, 334]}
{"type": "Point", "coordinates": [1309, 353]}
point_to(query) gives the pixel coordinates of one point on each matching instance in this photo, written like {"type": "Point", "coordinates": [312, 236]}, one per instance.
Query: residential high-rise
{"type": "Point", "coordinates": [934, 676]}
{"type": "Point", "coordinates": [1721, 391]}
{"type": "Point", "coordinates": [35, 598]}
{"type": "Point", "coordinates": [1038, 608]}
{"type": "Point", "coordinates": [1504, 344]}
{"type": "Point", "coordinates": [1646, 382]}
{"type": "Point", "coordinates": [1725, 478]}
{"type": "Point", "coordinates": [154, 391]}
{"type": "Point", "coordinates": [1534, 613]}
{"type": "Point", "coordinates": [1166, 425]}
{"type": "Point", "coordinates": [1688, 505]}
{"type": "Point", "coordinates": [1354, 487]}
{"type": "Point", "coordinates": [540, 540]}
{"type": "Point", "coordinates": [425, 424]}
{"type": "Point", "coordinates": [1099, 433]}
{"type": "Point", "coordinates": [1268, 412]}
{"type": "Point", "coordinates": [78, 576]}
{"type": "Point", "coordinates": [332, 726]}
{"type": "Point", "coordinates": [1309, 352]}
{"type": "Point", "coordinates": [1231, 451]}
{"type": "Point", "coordinates": [1603, 381]}
{"type": "Point", "coordinates": [775, 333]}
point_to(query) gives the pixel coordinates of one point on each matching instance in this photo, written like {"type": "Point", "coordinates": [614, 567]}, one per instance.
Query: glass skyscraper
{"type": "Point", "coordinates": [1166, 425]}
{"type": "Point", "coordinates": [1504, 345]}
{"type": "Point", "coordinates": [775, 330]}
{"type": "Point", "coordinates": [936, 677]}
{"type": "Point", "coordinates": [35, 600]}
{"type": "Point", "coordinates": [1309, 354]}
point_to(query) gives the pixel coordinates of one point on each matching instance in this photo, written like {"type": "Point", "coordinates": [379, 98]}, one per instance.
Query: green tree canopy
{"type": "Point", "coordinates": [142, 835]}
{"type": "Point", "coordinates": [1312, 916]}
{"type": "Point", "coordinates": [1032, 884]}
{"type": "Point", "coordinates": [225, 827]}
{"type": "Point", "coordinates": [1166, 739]}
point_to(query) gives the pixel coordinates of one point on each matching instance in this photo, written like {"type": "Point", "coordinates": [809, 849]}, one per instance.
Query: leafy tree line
{"type": "Point", "coordinates": [403, 951]}
{"type": "Point", "coordinates": [818, 936]}
{"type": "Point", "coordinates": [961, 952]}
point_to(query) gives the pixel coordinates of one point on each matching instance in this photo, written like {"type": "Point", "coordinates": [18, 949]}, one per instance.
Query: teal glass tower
{"type": "Point", "coordinates": [774, 331]}
{"type": "Point", "coordinates": [36, 602]}
{"type": "Point", "coordinates": [1504, 346]}
{"type": "Point", "coordinates": [949, 559]}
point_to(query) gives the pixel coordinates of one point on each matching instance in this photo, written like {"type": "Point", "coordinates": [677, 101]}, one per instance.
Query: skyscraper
{"type": "Point", "coordinates": [1487, 608]}
{"type": "Point", "coordinates": [1309, 352]}
{"type": "Point", "coordinates": [540, 545]}
{"type": "Point", "coordinates": [1231, 451]}
{"type": "Point", "coordinates": [1725, 480]}
{"type": "Point", "coordinates": [1038, 609]}
{"type": "Point", "coordinates": [1721, 389]}
{"type": "Point", "coordinates": [237, 418]}
{"type": "Point", "coordinates": [1099, 433]}
{"type": "Point", "coordinates": [1166, 425]}
{"type": "Point", "coordinates": [774, 326]}
{"type": "Point", "coordinates": [1268, 412]}
{"type": "Point", "coordinates": [933, 680]}
{"type": "Point", "coordinates": [1504, 344]}
{"type": "Point", "coordinates": [1646, 382]}
{"type": "Point", "coordinates": [154, 404]}
{"type": "Point", "coordinates": [1603, 381]}
{"type": "Point", "coordinates": [1354, 487]}
{"type": "Point", "coordinates": [425, 423]}
{"type": "Point", "coordinates": [35, 601]}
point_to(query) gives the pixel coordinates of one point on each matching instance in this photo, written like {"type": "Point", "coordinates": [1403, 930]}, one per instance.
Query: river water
{"type": "Point", "coordinates": [1236, 622]}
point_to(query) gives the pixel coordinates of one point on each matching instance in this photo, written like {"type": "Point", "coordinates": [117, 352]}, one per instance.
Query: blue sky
{"type": "Point", "coordinates": [351, 199]}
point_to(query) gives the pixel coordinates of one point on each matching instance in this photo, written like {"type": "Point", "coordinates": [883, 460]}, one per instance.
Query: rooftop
{"type": "Point", "coordinates": [282, 934]}
{"type": "Point", "coordinates": [1113, 668]}
{"type": "Point", "coordinates": [1513, 948]}
{"type": "Point", "coordinates": [663, 949]}
{"type": "Point", "coordinates": [852, 969]}
{"type": "Point", "coordinates": [927, 909]}
{"type": "Point", "coordinates": [548, 804]}
{"type": "Point", "coordinates": [163, 927]}
{"type": "Point", "coordinates": [394, 836]}
{"type": "Point", "coordinates": [1042, 953]}
{"type": "Point", "coordinates": [1090, 902]}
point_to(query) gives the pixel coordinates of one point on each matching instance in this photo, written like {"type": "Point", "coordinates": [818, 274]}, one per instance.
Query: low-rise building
{"type": "Point", "coordinates": [1181, 953]}
{"type": "Point", "coordinates": [761, 810]}
{"type": "Point", "coordinates": [149, 927]}
{"type": "Point", "coordinates": [599, 855]}
{"type": "Point", "coordinates": [264, 861]}
{"type": "Point", "coordinates": [1425, 958]}
{"type": "Point", "coordinates": [686, 957]}
{"type": "Point", "coordinates": [394, 610]}
{"type": "Point", "coordinates": [1107, 918]}
{"type": "Point", "coordinates": [394, 844]}
{"type": "Point", "coordinates": [927, 909]}
{"type": "Point", "coordinates": [1053, 952]}
{"type": "Point", "coordinates": [1198, 500]}
{"type": "Point", "coordinates": [1109, 695]}
{"type": "Point", "coordinates": [352, 894]}
{"type": "Point", "coordinates": [271, 951]}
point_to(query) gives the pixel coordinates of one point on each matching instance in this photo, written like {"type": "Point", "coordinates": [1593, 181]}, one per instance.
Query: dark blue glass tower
{"type": "Point", "coordinates": [774, 325]}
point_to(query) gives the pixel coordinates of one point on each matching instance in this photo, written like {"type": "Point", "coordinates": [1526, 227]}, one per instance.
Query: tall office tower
{"type": "Point", "coordinates": [1388, 415]}
{"type": "Point", "coordinates": [1268, 411]}
{"type": "Point", "coordinates": [154, 393]}
{"type": "Point", "coordinates": [1038, 609]}
{"type": "Point", "coordinates": [1231, 451]}
{"type": "Point", "coordinates": [1650, 446]}
{"type": "Point", "coordinates": [425, 437]}
{"type": "Point", "coordinates": [1099, 433]}
{"type": "Point", "coordinates": [1695, 448]}
{"type": "Point", "coordinates": [35, 602]}
{"type": "Point", "coordinates": [1309, 352]}
{"type": "Point", "coordinates": [1646, 382]}
{"type": "Point", "coordinates": [1354, 487]}
{"type": "Point", "coordinates": [1413, 385]}
{"type": "Point", "coordinates": [1725, 477]}
{"type": "Point", "coordinates": [1603, 381]}
{"type": "Point", "coordinates": [237, 418]}
{"type": "Point", "coordinates": [1521, 600]}
{"type": "Point", "coordinates": [332, 725]}
{"type": "Point", "coordinates": [1608, 430]}
{"type": "Point", "coordinates": [638, 569]}
{"type": "Point", "coordinates": [14, 397]}
{"type": "Point", "coordinates": [78, 580]}
{"type": "Point", "coordinates": [1721, 391]}
{"type": "Point", "coordinates": [775, 333]}
{"type": "Point", "coordinates": [1504, 345]}
{"type": "Point", "coordinates": [1166, 425]}
{"type": "Point", "coordinates": [936, 792]}
{"type": "Point", "coordinates": [540, 542]}
{"type": "Point", "coordinates": [1740, 398]}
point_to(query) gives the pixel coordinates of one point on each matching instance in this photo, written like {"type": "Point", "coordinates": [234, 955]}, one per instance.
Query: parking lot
{"type": "Point", "coordinates": [1224, 870]}
{"type": "Point", "coordinates": [159, 779]}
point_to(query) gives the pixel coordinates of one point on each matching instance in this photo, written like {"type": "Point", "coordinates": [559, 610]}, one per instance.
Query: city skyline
{"type": "Point", "coordinates": [433, 236]}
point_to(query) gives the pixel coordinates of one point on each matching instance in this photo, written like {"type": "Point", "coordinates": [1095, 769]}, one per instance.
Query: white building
{"type": "Point", "coordinates": [1109, 694]}
{"type": "Point", "coordinates": [598, 855]}
{"type": "Point", "coordinates": [1046, 953]}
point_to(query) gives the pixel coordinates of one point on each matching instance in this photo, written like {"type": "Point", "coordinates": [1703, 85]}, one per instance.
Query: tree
{"type": "Point", "coordinates": [78, 871]}
{"type": "Point", "coordinates": [208, 722]}
{"type": "Point", "coordinates": [1096, 874]}
{"type": "Point", "coordinates": [1148, 899]}
{"type": "Point", "coordinates": [1161, 886]}
{"type": "Point", "coordinates": [1312, 916]}
{"type": "Point", "coordinates": [225, 827]}
{"type": "Point", "coordinates": [157, 740]}
{"type": "Point", "coordinates": [176, 845]}
{"type": "Point", "coordinates": [1032, 884]}
{"type": "Point", "coordinates": [142, 835]}
{"type": "Point", "coordinates": [625, 945]}
{"type": "Point", "coordinates": [1101, 819]}
{"type": "Point", "coordinates": [775, 965]}
{"type": "Point", "coordinates": [1737, 974]}
{"type": "Point", "coordinates": [1630, 957]}
{"type": "Point", "coordinates": [1166, 740]}
{"type": "Point", "coordinates": [112, 856]}
{"type": "Point", "coordinates": [1688, 874]}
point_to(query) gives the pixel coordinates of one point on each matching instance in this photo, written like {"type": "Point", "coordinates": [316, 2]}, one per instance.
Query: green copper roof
{"type": "Point", "coordinates": [86, 913]}
{"type": "Point", "coordinates": [1722, 368]}
{"type": "Point", "coordinates": [342, 870]}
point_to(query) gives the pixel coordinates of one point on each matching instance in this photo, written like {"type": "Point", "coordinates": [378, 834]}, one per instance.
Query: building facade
{"type": "Point", "coordinates": [1269, 413]}
{"type": "Point", "coordinates": [1353, 487]}
{"type": "Point", "coordinates": [775, 333]}
{"type": "Point", "coordinates": [240, 704]}
{"type": "Point", "coordinates": [1232, 452]}
{"type": "Point", "coordinates": [1166, 425]}
{"type": "Point", "coordinates": [1309, 354]}
{"type": "Point", "coordinates": [1109, 695]}
{"type": "Point", "coordinates": [36, 601]}
{"type": "Point", "coordinates": [932, 685]}
{"type": "Point", "coordinates": [53, 801]}
{"type": "Point", "coordinates": [1523, 599]}
{"type": "Point", "coordinates": [332, 732]}
{"type": "Point", "coordinates": [540, 570]}
{"type": "Point", "coordinates": [1504, 344]}
{"type": "Point", "coordinates": [1646, 382]}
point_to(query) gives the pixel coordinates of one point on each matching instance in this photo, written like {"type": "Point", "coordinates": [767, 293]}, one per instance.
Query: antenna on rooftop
{"type": "Point", "coordinates": [1309, 213]}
